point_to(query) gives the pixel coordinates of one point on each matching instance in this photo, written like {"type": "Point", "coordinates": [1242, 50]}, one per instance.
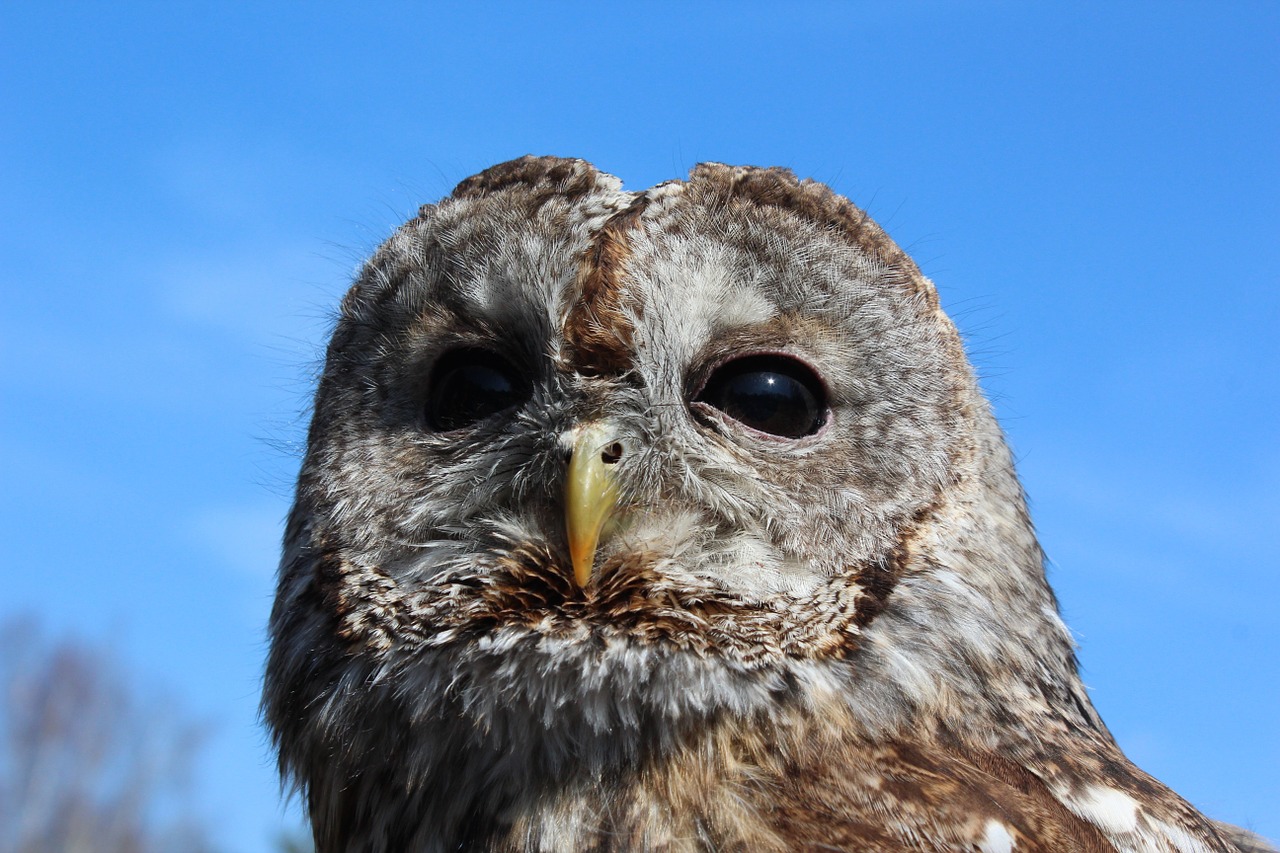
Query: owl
{"type": "Point", "coordinates": [675, 520]}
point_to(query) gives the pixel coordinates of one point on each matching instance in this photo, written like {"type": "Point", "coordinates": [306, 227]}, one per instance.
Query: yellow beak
{"type": "Point", "coordinates": [590, 493]}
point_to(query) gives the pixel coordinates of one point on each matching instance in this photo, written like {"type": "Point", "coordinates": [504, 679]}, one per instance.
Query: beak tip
{"type": "Point", "coordinates": [590, 496]}
{"type": "Point", "coordinates": [581, 563]}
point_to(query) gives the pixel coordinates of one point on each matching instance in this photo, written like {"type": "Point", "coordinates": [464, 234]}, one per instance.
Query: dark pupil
{"type": "Point", "coordinates": [771, 401]}
{"type": "Point", "coordinates": [465, 392]}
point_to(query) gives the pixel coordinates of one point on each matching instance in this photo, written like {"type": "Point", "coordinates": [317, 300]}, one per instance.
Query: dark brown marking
{"type": "Point", "coordinates": [879, 578]}
{"type": "Point", "coordinates": [531, 588]}
{"type": "Point", "coordinates": [556, 177]}
{"type": "Point", "coordinates": [597, 327]}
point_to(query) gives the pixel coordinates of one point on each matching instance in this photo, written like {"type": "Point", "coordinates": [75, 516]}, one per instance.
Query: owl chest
{"type": "Point", "coordinates": [751, 792]}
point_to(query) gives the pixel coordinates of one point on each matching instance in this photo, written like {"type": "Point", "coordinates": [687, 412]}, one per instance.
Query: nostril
{"type": "Point", "coordinates": [611, 454]}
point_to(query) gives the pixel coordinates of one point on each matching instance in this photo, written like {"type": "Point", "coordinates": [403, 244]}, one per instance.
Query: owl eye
{"type": "Point", "coordinates": [770, 393]}
{"type": "Point", "coordinates": [468, 386]}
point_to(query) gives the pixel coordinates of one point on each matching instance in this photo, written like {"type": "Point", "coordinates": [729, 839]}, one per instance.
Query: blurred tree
{"type": "Point", "coordinates": [87, 761]}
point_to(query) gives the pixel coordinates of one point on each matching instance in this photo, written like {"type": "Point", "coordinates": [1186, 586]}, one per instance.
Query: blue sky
{"type": "Point", "coordinates": [1094, 188]}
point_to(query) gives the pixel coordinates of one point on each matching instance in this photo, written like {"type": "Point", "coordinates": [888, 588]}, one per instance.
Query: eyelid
{"type": "Point", "coordinates": [703, 376]}
{"type": "Point", "coordinates": [796, 409]}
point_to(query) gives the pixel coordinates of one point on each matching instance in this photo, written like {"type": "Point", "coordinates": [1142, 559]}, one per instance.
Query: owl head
{"type": "Point", "coordinates": [593, 470]}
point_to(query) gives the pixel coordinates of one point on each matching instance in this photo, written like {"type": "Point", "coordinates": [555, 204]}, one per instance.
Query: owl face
{"type": "Point", "coordinates": [766, 384]}
{"type": "Point", "coordinates": [579, 452]}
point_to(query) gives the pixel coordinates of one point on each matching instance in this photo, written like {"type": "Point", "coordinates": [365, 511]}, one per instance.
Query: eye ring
{"type": "Point", "coordinates": [470, 385]}
{"type": "Point", "coordinates": [771, 393]}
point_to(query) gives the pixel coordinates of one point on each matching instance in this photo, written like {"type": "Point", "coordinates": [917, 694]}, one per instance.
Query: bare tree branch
{"type": "Point", "coordinates": [88, 761]}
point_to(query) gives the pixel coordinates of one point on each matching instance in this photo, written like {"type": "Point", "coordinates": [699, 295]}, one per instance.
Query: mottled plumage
{"type": "Point", "coordinates": [826, 630]}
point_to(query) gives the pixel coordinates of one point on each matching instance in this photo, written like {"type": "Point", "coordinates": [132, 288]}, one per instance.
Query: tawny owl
{"type": "Point", "coordinates": [675, 520]}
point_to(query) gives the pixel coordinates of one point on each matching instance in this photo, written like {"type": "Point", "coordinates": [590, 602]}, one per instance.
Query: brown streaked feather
{"type": "Point", "coordinates": [544, 177]}
{"type": "Point", "coordinates": [805, 783]}
{"type": "Point", "coordinates": [598, 325]}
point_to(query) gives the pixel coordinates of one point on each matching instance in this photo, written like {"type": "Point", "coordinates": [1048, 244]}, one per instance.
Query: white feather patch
{"type": "Point", "coordinates": [996, 838]}
{"type": "Point", "coordinates": [1112, 811]}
